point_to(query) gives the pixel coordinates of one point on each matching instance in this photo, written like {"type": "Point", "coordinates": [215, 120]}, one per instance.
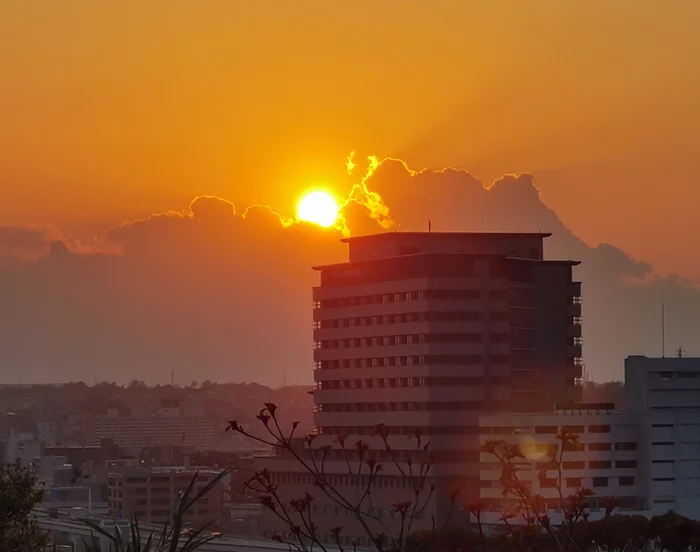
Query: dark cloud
{"type": "Point", "coordinates": [210, 293]}
{"type": "Point", "coordinates": [27, 242]}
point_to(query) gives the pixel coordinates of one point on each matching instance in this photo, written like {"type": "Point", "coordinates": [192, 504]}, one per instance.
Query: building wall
{"type": "Point", "coordinates": [134, 434]}
{"type": "Point", "coordinates": [151, 494]}
{"type": "Point", "coordinates": [605, 463]}
{"type": "Point", "coordinates": [664, 395]}
{"type": "Point", "coordinates": [428, 331]}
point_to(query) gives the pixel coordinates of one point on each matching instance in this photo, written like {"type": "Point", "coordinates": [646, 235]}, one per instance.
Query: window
{"type": "Point", "coordinates": [574, 447]}
{"type": "Point", "coordinates": [626, 481]}
{"type": "Point", "coordinates": [574, 428]}
{"type": "Point", "coordinates": [625, 446]}
{"type": "Point", "coordinates": [548, 483]}
{"type": "Point", "coordinates": [663, 461]}
{"type": "Point", "coordinates": [600, 481]}
{"type": "Point", "coordinates": [599, 447]}
{"type": "Point", "coordinates": [687, 375]}
{"type": "Point", "coordinates": [600, 464]}
{"type": "Point", "coordinates": [625, 464]}
{"type": "Point", "coordinates": [664, 479]}
{"type": "Point", "coordinates": [574, 465]}
{"type": "Point", "coordinates": [662, 443]}
{"type": "Point", "coordinates": [666, 375]}
{"type": "Point", "coordinates": [599, 429]}
{"type": "Point", "coordinates": [574, 482]}
{"type": "Point", "coordinates": [546, 430]}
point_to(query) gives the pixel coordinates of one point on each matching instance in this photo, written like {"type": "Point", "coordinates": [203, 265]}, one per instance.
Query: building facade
{"type": "Point", "coordinates": [664, 396]}
{"type": "Point", "coordinates": [135, 434]}
{"type": "Point", "coordinates": [605, 460]}
{"type": "Point", "coordinates": [151, 494]}
{"type": "Point", "coordinates": [428, 331]}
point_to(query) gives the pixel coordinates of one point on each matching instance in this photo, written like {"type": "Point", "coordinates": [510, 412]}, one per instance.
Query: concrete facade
{"type": "Point", "coordinates": [150, 494]}
{"type": "Point", "coordinates": [606, 462]}
{"type": "Point", "coordinates": [428, 331]}
{"type": "Point", "coordinates": [664, 396]}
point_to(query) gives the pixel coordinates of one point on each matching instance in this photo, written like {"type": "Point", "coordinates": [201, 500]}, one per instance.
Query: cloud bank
{"type": "Point", "coordinates": [220, 292]}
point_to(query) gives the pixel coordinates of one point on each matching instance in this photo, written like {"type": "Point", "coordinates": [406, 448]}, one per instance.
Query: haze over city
{"type": "Point", "coordinates": [150, 167]}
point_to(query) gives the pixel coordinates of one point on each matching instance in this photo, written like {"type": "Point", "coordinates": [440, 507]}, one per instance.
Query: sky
{"type": "Point", "coordinates": [113, 111]}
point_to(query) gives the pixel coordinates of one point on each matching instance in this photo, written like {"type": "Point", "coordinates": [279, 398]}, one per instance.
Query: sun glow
{"type": "Point", "coordinates": [319, 208]}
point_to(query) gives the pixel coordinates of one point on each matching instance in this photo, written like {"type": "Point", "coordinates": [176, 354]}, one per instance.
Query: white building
{"type": "Point", "coordinates": [648, 456]}
{"type": "Point", "coordinates": [604, 462]}
{"type": "Point", "coordinates": [663, 394]}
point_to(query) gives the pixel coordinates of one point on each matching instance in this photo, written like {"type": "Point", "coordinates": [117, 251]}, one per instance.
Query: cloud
{"type": "Point", "coordinates": [219, 292]}
{"type": "Point", "coordinates": [28, 241]}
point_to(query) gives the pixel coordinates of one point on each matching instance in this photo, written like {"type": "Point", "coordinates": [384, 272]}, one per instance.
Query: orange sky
{"type": "Point", "coordinates": [110, 110]}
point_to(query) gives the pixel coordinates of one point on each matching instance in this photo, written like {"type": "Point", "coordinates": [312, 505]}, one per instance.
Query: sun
{"type": "Point", "coordinates": [319, 208]}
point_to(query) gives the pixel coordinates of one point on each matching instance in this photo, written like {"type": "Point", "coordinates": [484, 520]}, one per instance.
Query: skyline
{"type": "Point", "coordinates": [203, 290]}
{"type": "Point", "coordinates": [139, 135]}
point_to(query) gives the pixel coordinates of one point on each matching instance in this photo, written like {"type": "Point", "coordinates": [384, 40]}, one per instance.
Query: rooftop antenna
{"type": "Point", "coordinates": [172, 378]}
{"type": "Point", "coordinates": [681, 351]}
{"type": "Point", "coordinates": [430, 226]}
{"type": "Point", "coordinates": [663, 330]}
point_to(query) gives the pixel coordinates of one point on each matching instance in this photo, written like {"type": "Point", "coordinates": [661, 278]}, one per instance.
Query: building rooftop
{"type": "Point", "coordinates": [426, 254]}
{"type": "Point", "coordinates": [449, 234]}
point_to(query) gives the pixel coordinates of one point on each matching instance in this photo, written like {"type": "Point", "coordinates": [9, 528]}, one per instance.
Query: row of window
{"type": "Point", "coordinates": [546, 430]}
{"type": "Point", "coordinates": [572, 465]}
{"type": "Point", "coordinates": [399, 430]}
{"type": "Point", "coordinates": [346, 480]}
{"type": "Point", "coordinates": [431, 294]}
{"type": "Point", "coordinates": [380, 383]}
{"type": "Point", "coordinates": [433, 406]}
{"type": "Point", "coordinates": [414, 360]}
{"type": "Point", "coordinates": [679, 375]}
{"type": "Point", "coordinates": [411, 339]}
{"type": "Point", "coordinates": [403, 318]}
{"type": "Point", "coordinates": [580, 447]}
{"type": "Point", "coordinates": [569, 482]}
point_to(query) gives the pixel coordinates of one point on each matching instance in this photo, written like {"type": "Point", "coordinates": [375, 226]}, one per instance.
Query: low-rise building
{"type": "Point", "coordinates": [151, 494]}
{"type": "Point", "coordinates": [604, 460]}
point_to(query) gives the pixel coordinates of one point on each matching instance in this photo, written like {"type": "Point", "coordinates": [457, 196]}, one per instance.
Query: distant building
{"type": "Point", "coordinates": [151, 494]}
{"type": "Point", "coordinates": [46, 434]}
{"type": "Point", "coordinates": [20, 446]}
{"type": "Point", "coordinates": [166, 428]}
{"type": "Point", "coordinates": [664, 396]}
{"type": "Point", "coordinates": [647, 456]}
{"type": "Point", "coordinates": [606, 460]}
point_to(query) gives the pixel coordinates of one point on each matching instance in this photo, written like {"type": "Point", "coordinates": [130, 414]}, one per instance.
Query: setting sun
{"type": "Point", "coordinates": [319, 208]}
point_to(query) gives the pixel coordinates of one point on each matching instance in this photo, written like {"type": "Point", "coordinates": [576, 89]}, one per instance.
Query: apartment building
{"type": "Point", "coordinates": [664, 396]}
{"type": "Point", "coordinates": [167, 427]}
{"type": "Point", "coordinates": [428, 331]}
{"type": "Point", "coordinates": [605, 460]}
{"type": "Point", "coordinates": [150, 494]}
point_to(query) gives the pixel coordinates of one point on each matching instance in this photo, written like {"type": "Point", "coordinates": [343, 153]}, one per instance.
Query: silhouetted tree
{"type": "Point", "coordinates": [361, 467]}
{"type": "Point", "coordinates": [19, 531]}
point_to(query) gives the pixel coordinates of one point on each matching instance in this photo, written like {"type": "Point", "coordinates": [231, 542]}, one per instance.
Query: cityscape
{"type": "Point", "coordinates": [312, 277]}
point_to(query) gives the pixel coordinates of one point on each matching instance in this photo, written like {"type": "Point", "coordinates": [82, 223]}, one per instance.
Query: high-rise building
{"type": "Point", "coordinates": [476, 321]}
{"type": "Point", "coordinates": [428, 331]}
